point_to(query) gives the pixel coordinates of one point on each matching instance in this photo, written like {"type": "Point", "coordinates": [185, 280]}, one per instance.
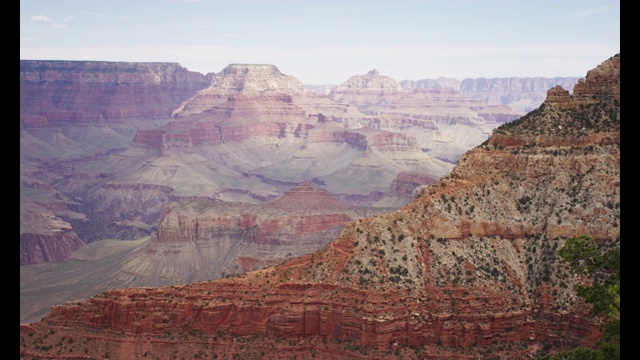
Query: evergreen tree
{"type": "Point", "coordinates": [603, 266]}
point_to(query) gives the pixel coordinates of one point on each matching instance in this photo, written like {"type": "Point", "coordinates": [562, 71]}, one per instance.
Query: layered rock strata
{"type": "Point", "coordinates": [257, 131]}
{"type": "Point", "coordinates": [74, 114]}
{"type": "Point", "coordinates": [245, 134]}
{"type": "Point", "coordinates": [53, 92]}
{"type": "Point", "coordinates": [467, 269]}
{"type": "Point", "coordinates": [201, 239]}
{"type": "Point", "coordinates": [523, 94]}
{"type": "Point", "coordinates": [444, 122]}
{"type": "Point", "coordinates": [45, 232]}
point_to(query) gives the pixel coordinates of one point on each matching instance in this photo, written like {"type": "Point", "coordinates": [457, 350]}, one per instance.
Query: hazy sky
{"type": "Point", "coordinates": [328, 41]}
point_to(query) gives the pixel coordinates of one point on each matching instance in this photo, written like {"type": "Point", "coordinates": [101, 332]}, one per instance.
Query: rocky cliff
{"type": "Point", "coordinates": [44, 234]}
{"type": "Point", "coordinates": [53, 92]}
{"type": "Point", "coordinates": [467, 270]}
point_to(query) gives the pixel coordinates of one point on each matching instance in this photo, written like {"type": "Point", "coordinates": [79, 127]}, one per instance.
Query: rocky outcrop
{"type": "Point", "coordinates": [603, 81]}
{"type": "Point", "coordinates": [558, 95]}
{"type": "Point", "coordinates": [52, 247]}
{"type": "Point", "coordinates": [249, 80]}
{"type": "Point", "coordinates": [253, 78]}
{"type": "Point", "coordinates": [468, 268]}
{"type": "Point", "coordinates": [46, 234]}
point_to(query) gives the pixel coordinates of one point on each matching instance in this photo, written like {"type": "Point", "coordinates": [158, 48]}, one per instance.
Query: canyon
{"type": "Point", "coordinates": [73, 114]}
{"type": "Point", "coordinates": [105, 145]}
{"type": "Point", "coordinates": [466, 269]}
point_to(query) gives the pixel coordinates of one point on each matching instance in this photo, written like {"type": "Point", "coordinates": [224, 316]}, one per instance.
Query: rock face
{"type": "Point", "coordinates": [523, 94]}
{"type": "Point", "coordinates": [56, 246]}
{"type": "Point", "coordinates": [44, 235]}
{"type": "Point", "coordinates": [468, 268]}
{"type": "Point", "coordinates": [53, 92]}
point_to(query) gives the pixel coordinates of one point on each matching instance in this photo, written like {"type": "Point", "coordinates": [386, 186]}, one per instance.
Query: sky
{"type": "Point", "coordinates": [328, 41]}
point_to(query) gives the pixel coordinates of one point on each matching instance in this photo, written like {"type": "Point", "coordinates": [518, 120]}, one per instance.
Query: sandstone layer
{"type": "Point", "coordinates": [468, 269]}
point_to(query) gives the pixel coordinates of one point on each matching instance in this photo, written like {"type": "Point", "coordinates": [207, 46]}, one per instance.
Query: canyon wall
{"type": "Point", "coordinates": [466, 270]}
{"type": "Point", "coordinates": [97, 91]}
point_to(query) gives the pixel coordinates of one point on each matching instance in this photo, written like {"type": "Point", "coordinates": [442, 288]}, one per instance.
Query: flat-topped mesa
{"type": "Point", "coordinates": [251, 78]}
{"type": "Point", "coordinates": [247, 80]}
{"type": "Point", "coordinates": [372, 83]}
